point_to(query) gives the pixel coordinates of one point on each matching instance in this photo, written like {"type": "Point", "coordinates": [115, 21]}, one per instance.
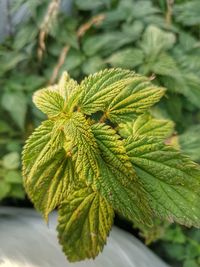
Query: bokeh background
{"type": "Point", "coordinates": [157, 38]}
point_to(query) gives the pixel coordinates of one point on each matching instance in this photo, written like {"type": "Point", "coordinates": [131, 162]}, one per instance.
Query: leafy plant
{"type": "Point", "coordinates": [128, 33]}
{"type": "Point", "coordinates": [180, 246]}
{"type": "Point", "coordinates": [123, 37]}
{"type": "Point", "coordinates": [101, 152]}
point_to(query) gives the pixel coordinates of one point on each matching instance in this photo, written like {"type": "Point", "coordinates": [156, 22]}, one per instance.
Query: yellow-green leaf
{"type": "Point", "coordinates": [49, 102]}
{"type": "Point", "coordinates": [84, 222]}
{"type": "Point", "coordinates": [112, 148]}
{"type": "Point", "coordinates": [66, 86]}
{"type": "Point", "coordinates": [134, 99]}
{"type": "Point", "coordinates": [100, 88]}
{"type": "Point", "coordinates": [46, 169]}
{"type": "Point", "coordinates": [146, 125]}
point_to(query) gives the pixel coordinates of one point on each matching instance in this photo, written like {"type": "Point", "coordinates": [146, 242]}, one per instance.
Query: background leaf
{"type": "Point", "coordinates": [16, 105]}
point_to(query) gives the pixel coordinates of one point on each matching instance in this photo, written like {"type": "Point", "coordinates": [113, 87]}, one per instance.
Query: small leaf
{"type": "Point", "coordinates": [175, 234]}
{"type": "Point", "coordinates": [134, 99]}
{"type": "Point", "coordinates": [11, 161]}
{"type": "Point", "coordinates": [105, 43]}
{"type": "Point", "coordinates": [16, 104]}
{"type": "Point", "coordinates": [170, 179]}
{"type": "Point", "coordinates": [49, 102]}
{"type": "Point", "coordinates": [93, 64]}
{"type": "Point", "coordinates": [144, 8]}
{"type": "Point", "coordinates": [126, 58]}
{"type": "Point", "coordinates": [98, 89]}
{"type": "Point", "coordinates": [66, 86]}
{"type": "Point", "coordinates": [134, 30]}
{"type": "Point", "coordinates": [156, 40]}
{"type": "Point", "coordinates": [85, 219]}
{"type": "Point", "coordinates": [147, 125]}
{"type": "Point", "coordinates": [166, 65]}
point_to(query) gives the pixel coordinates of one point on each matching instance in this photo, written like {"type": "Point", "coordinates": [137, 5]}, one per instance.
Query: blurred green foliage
{"type": "Point", "coordinates": [180, 247]}
{"type": "Point", "coordinates": [157, 38]}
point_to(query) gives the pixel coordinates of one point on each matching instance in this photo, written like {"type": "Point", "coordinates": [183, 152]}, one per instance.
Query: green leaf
{"type": "Point", "coordinates": [91, 4]}
{"type": "Point", "coordinates": [134, 30]}
{"type": "Point", "coordinates": [189, 142]}
{"type": "Point", "coordinates": [126, 58]}
{"type": "Point", "coordinates": [148, 126]}
{"type": "Point", "coordinates": [49, 102]}
{"type": "Point", "coordinates": [174, 234]}
{"type": "Point", "coordinates": [16, 104]}
{"type": "Point", "coordinates": [143, 8]}
{"type": "Point", "coordinates": [105, 43]}
{"type": "Point", "coordinates": [46, 168]}
{"type": "Point", "coordinates": [112, 148]}
{"type": "Point", "coordinates": [166, 65]}
{"type": "Point", "coordinates": [13, 177]}
{"type": "Point", "coordinates": [126, 195]}
{"type": "Point", "coordinates": [190, 263]}
{"type": "Point", "coordinates": [190, 88]}
{"type": "Point", "coordinates": [74, 60]}
{"type": "Point", "coordinates": [82, 146]}
{"type": "Point", "coordinates": [134, 99]}
{"type": "Point", "coordinates": [10, 60]}
{"type": "Point", "coordinates": [4, 189]}
{"type": "Point", "coordinates": [66, 86]}
{"type": "Point", "coordinates": [188, 13]}
{"type": "Point", "coordinates": [79, 161]}
{"type": "Point", "coordinates": [117, 180]}
{"type": "Point", "coordinates": [128, 94]}
{"type": "Point", "coordinates": [84, 222]}
{"type": "Point", "coordinates": [156, 40]}
{"type": "Point", "coordinates": [93, 64]}
{"type": "Point", "coordinates": [176, 251]}
{"type": "Point", "coordinates": [11, 161]}
{"type": "Point", "coordinates": [98, 89]}
{"type": "Point", "coordinates": [24, 36]}
{"type": "Point", "coordinates": [170, 179]}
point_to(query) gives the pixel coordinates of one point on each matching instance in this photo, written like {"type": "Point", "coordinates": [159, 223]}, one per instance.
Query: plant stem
{"type": "Point", "coordinates": [96, 20]}
{"type": "Point", "coordinates": [168, 17]}
{"type": "Point", "coordinates": [103, 118]}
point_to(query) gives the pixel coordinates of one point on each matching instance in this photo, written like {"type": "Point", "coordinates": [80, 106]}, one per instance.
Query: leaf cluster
{"type": "Point", "coordinates": [133, 34]}
{"type": "Point", "coordinates": [129, 33]}
{"type": "Point", "coordinates": [101, 152]}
